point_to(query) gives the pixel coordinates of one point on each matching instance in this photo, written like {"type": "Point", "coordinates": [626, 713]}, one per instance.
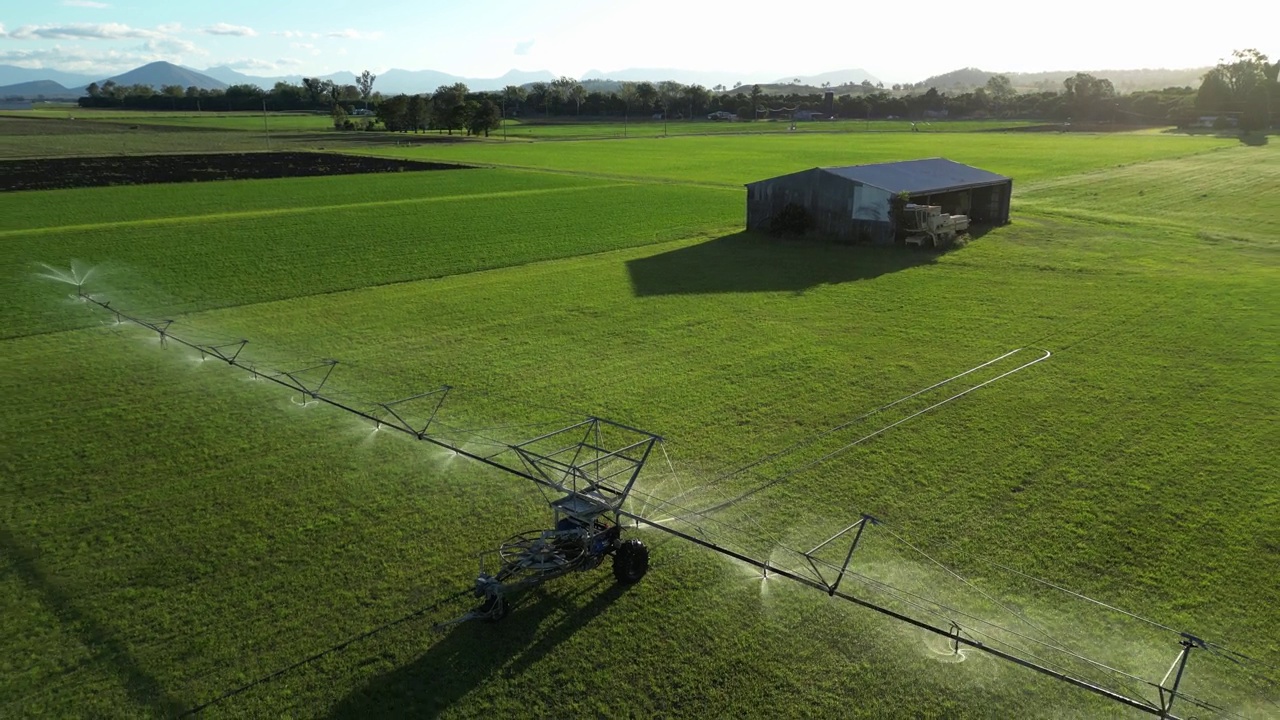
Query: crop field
{"type": "Point", "coordinates": [532, 128]}
{"type": "Point", "coordinates": [242, 121]}
{"type": "Point", "coordinates": [733, 161]}
{"type": "Point", "coordinates": [175, 537]}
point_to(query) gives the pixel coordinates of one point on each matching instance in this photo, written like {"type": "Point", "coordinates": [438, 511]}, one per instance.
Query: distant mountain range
{"type": "Point", "coordinates": [836, 78]}
{"type": "Point", "coordinates": [159, 74]}
{"type": "Point", "coordinates": [1125, 81]}
{"type": "Point", "coordinates": [33, 89]}
{"type": "Point", "coordinates": [26, 82]}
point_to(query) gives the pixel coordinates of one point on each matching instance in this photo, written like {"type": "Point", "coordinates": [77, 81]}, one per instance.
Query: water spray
{"type": "Point", "coordinates": [587, 470]}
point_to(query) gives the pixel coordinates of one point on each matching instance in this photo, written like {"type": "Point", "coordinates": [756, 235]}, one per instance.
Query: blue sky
{"type": "Point", "coordinates": [898, 42]}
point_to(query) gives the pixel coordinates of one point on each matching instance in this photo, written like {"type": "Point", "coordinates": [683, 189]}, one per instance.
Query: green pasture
{"type": "Point", "coordinates": [734, 160]}
{"type": "Point", "coordinates": [533, 128]}
{"type": "Point", "coordinates": [214, 120]}
{"type": "Point", "coordinates": [173, 532]}
{"type": "Point", "coordinates": [24, 136]}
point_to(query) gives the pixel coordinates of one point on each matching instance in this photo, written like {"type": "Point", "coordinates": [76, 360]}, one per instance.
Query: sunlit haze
{"type": "Point", "coordinates": [894, 42]}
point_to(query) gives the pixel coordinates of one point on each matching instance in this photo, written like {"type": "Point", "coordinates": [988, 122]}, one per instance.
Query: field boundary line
{"type": "Point", "coordinates": [296, 210]}
{"type": "Point", "coordinates": [636, 179]}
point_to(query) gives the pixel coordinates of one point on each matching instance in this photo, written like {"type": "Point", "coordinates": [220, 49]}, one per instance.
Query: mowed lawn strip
{"type": "Point", "coordinates": [734, 160]}
{"type": "Point", "coordinates": [88, 206]}
{"type": "Point", "coordinates": [287, 247]}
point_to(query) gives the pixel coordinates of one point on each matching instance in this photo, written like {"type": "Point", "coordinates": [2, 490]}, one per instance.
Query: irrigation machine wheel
{"type": "Point", "coordinates": [630, 561]}
{"type": "Point", "coordinates": [495, 608]}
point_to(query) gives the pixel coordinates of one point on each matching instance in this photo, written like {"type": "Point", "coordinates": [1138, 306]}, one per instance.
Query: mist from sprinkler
{"type": "Point", "coordinates": [77, 276]}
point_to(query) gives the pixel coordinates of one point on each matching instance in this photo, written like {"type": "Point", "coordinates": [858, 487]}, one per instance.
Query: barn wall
{"type": "Point", "coordinates": [841, 209]}
{"type": "Point", "coordinates": [991, 204]}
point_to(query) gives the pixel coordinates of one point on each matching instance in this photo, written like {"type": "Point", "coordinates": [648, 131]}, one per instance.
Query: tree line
{"type": "Point", "coordinates": [1243, 88]}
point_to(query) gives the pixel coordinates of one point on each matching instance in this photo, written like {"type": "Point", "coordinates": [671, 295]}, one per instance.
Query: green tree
{"type": "Point", "coordinates": [539, 94]}
{"type": "Point", "coordinates": [244, 91]}
{"type": "Point", "coordinates": [561, 88]}
{"type": "Point", "coordinates": [627, 93]}
{"type": "Point", "coordinates": [1087, 96]}
{"type": "Point", "coordinates": [668, 94]}
{"type": "Point", "coordinates": [315, 89]}
{"type": "Point", "coordinates": [697, 96]}
{"type": "Point", "coordinates": [288, 95]}
{"type": "Point", "coordinates": [93, 90]}
{"type": "Point", "coordinates": [448, 107]}
{"type": "Point", "coordinates": [578, 94]}
{"type": "Point", "coordinates": [646, 95]}
{"type": "Point", "coordinates": [513, 95]}
{"type": "Point", "coordinates": [1000, 91]}
{"type": "Point", "coordinates": [757, 97]}
{"type": "Point", "coordinates": [393, 113]}
{"type": "Point", "coordinates": [417, 115]}
{"type": "Point", "coordinates": [365, 84]}
{"type": "Point", "coordinates": [485, 116]}
{"type": "Point", "coordinates": [1214, 94]}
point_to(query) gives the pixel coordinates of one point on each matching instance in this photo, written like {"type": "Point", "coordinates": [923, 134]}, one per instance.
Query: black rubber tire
{"type": "Point", "coordinates": [630, 561]}
{"type": "Point", "coordinates": [497, 605]}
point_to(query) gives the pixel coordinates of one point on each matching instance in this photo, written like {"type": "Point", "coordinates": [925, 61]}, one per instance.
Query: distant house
{"type": "Point", "coordinates": [853, 203]}
{"type": "Point", "coordinates": [1215, 121]}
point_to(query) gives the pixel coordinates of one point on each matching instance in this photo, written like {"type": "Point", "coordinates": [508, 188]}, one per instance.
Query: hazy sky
{"type": "Point", "coordinates": [897, 42]}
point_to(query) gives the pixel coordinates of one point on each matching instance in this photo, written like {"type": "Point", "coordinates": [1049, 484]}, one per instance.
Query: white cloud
{"type": "Point", "coordinates": [170, 28]}
{"type": "Point", "coordinates": [250, 64]}
{"type": "Point", "coordinates": [172, 46]}
{"type": "Point", "coordinates": [309, 47]}
{"type": "Point", "coordinates": [257, 65]}
{"type": "Point", "coordinates": [229, 29]}
{"type": "Point", "coordinates": [76, 59]}
{"type": "Point", "coordinates": [350, 34]}
{"type": "Point", "coordinates": [523, 48]}
{"type": "Point", "coordinates": [85, 4]}
{"type": "Point", "coordinates": [83, 31]}
{"type": "Point", "coordinates": [294, 34]}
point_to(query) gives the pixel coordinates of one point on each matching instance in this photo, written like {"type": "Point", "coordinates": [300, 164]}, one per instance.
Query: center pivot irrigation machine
{"type": "Point", "coordinates": [588, 472]}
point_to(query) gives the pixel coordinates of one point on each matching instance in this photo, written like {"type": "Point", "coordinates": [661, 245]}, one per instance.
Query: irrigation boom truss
{"type": "Point", "coordinates": [588, 470]}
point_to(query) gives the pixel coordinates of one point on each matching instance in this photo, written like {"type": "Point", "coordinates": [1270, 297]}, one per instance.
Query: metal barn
{"type": "Point", "coordinates": [853, 203]}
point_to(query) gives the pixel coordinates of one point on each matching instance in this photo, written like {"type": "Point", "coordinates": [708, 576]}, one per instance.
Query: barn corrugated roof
{"type": "Point", "coordinates": [918, 176]}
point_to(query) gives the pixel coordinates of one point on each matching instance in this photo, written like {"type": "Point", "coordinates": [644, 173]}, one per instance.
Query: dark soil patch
{"type": "Point", "coordinates": [52, 173]}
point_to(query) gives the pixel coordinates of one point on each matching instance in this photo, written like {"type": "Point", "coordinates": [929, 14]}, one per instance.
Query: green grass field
{"type": "Point", "coordinates": [733, 161]}
{"type": "Point", "coordinates": [172, 532]}
{"type": "Point", "coordinates": [534, 128]}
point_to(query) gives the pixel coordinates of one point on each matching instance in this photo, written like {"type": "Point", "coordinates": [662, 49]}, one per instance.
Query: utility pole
{"type": "Point", "coordinates": [265, 128]}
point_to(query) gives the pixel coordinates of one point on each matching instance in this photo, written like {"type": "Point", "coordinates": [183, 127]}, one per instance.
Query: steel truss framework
{"type": "Point", "coordinates": [577, 463]}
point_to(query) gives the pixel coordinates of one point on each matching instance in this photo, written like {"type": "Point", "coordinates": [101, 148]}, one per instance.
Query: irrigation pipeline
{"type": "Point", "coordinates": [230, 352]}
{"type": "Point", "coordinates": [880, 431]}
{"type": "Point", "coordinates": [291, 381]}
{"type": "Point", "coordinates": [949, 634]}
{"type": "Point", "coordinates": [814, 438]}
